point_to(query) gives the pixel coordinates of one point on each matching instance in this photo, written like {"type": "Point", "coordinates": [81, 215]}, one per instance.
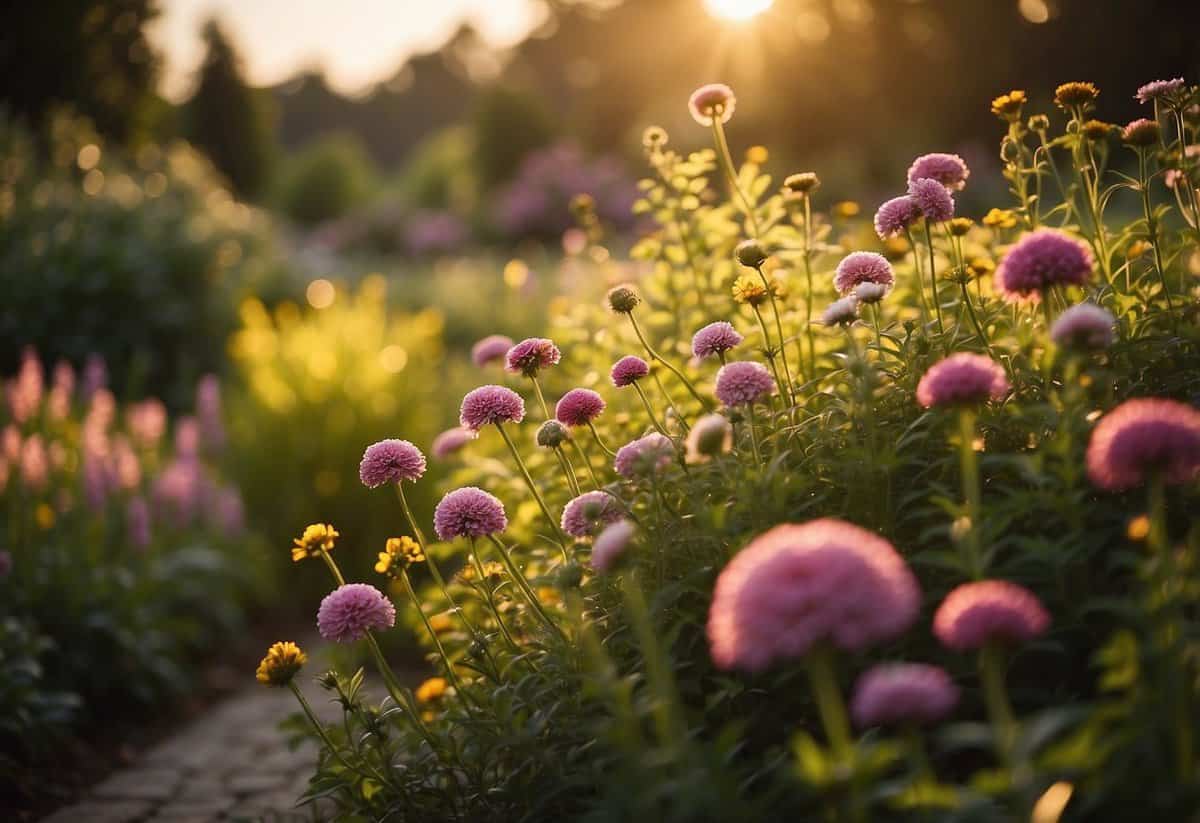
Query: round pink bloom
{"type": "Point", "coordinates": [490, 349]}
{"type": "Point", "coordinates": [841, 312]}
{"type": "Point", "coordinates": [863, 267]}
{"type": "Point", "coordinates": [989, 611]}
{"type": "Point", "coordinates": [450, 441]}
{"type": "Point", "coordinates": [610, 544]}
{"type": "Point", "coordinates": [712, 100]}
{"type": "Point", "coordinates": [1084, 326]}
{"type": "Point", "coordinates": [1141, 437]}
{"type": "Point", "coordinates": [645, 456]}
{"type": "Point", "coordinates": [390, 461]}
{"type": "Point", "coordinates": [1159, 90]}
{"type": "Point", "coordinates": [532, 355]}
{"type": "Point", "coordinates": [578, 407]}
{"type": "Point", "coordinates": [1042, 259]}
{"type": "Point", "coordinates": [715, 338]}
{"type": "Point", "coordinates": [743, 382]}
{"type": "Point", "coordinates": [348, 612]}
{"type": "Point", "coordinates": [468, 512]}
{"type": "Point", "coordinates": [962, 378]}
{"type": "Point", "coordinates": [628, 370]}
{"type": "Point", "coordinates": [893, 694]}
{"type": "Point", "coordinates": [590, 512]}
{"type": "Point", "coordinates": [948, 169]}
{"type": "Point", "coordinates": [895, 216]}
{"type": "Point", "coordinates": [932, 198]}
{"type": "Point", "coordinates": [490, 404]}
{"type": "Point", "coordinates": [799, 585]}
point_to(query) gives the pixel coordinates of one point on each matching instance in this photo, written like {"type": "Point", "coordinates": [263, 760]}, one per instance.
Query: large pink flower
{"type": "Point", "coordinates": [989, 611]}
{"type": "Point", "coordinates": [962, 378]}
{"type": "Point", "coordinates": [892, 694]}
{"type": "Point", "coordinates": [350, 611]}
{"type": "Point", "coordinates": [1141, 437]}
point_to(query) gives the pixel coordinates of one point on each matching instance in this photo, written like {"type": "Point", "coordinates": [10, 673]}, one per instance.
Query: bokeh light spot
{"type": "Point", "coordinates": [737, 9]}
{"type": "Point", "coordinates": [320, 293]}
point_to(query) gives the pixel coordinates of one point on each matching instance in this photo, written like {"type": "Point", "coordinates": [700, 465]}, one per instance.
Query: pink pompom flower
{"type": "Point", "coordinates": [841, 312]}
{"type": "Point", "coordinates": [826, 581]}
{"type": "Point", "coordinates": [490, 349]}
{"type": "Point", "coordinates": [350, 611]}
{"type": "Point", "coordinates": [451, 441]}
{"type": "Point", "coordinates": [1142, 437]}
{"type": "Point", "coordinates": [588, 513]}
{"type": "Point", "coordinates": [578, 407]}
{"type": "Point", "coordinates": [490, 404]}
{"type": "Point", "coordinates": [989, 611]}
{"type": "Point", "coordinates": [902, 694]}
{"type": "Point", "coordinates": [962, 379]}
{"type": "Point", "coordinates": [1040, 260]}
{"type": "Point", "coordinates": [469, 512]}
{"type": "Point", "coordinates": [932, 198]}
{"type": "Point", "coordinates": [742, 383]}
{"type": "Point", "coordinates": [715, 339]}
{"type": "Point", "coordinates": [532, 355]}
{"type": "Point", "coordinates": [713, 101]}
{"type": "Point", "coordinates": [611, 544]}
{"type": "Point", "coordinates": [645, 456]}
{"type": "Point", "coordinates": [1166, 90]}
{"type": "Point", "coordinates": [861, 267]}
{"type": "Point", "coordinates": [895, 216]}
{"type": "Point", "coordinates": [390, 461]}
{"type": "Point", "coordinates": [1084, 326]}
{"type": "Point", "coordinates": [948, 169]}
{"type": "Point", "coordinates": [628, 370]}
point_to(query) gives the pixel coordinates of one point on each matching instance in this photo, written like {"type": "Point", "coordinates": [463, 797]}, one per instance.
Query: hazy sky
{"type": "Point", "coordinates": [357, 41]}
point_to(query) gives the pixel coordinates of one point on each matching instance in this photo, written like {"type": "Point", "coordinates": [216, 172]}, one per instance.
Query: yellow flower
{"type": "Point", "coordinates": [549, 595]}
{"type": "Point", "coordinates": [398, 555]}
{"type": "Point", "coordinates": [894, 248]}
{"type": "Point", "coordinates": [757, 155]}
{"type": "Point", "coordinates": [432, 689]}
{"type": "Point", "coordinates": [1000, 219]}
{"type": "Point", "coordinates": [961, 225]}
{"type": "Point", "coordinates": [281, 664]}
{"type": "Point", "coordinates": [441, 623]}
{"type": "Point", "coordinates": [317, 538]}
{"type": "Point", "coordinates": [846, 208]}
{"type": "Point", "coordinates": [490, 569]}
{"type": "Point", "coordinates": [1097, 129]}
{"type": "Point", "coordinates": [1139, 528]}
{"type": "Point", "coordinates": [1138, 248]}
{"type": "Point", "coordinates": [1008, 106]}
{"type": "Point", "coordinates": [980, 266]}
{"type": "Point", "coordinates": [1071, 95]}
{"type": "Point", "coordinates": [747, 289]}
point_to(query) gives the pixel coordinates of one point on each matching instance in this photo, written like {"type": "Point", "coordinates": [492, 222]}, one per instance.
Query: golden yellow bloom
{"type": "Point", "coordinates": [757, 155]}
{"type": "Point", "coordinates": [549, 595]}
{"type": "Point", "coordinates": [441, 623]}
{"type": "Point", "coordinates": [981, 266]}
{"type": "Point", "coordinates": [432, 689]}
{"type": "Point", "coordinates": [894, 248]}
{"type": "Point", "coordinates": [399, 553]}
{"type": "Point", "coordinates": [317, 538]}
{"type": "Point", "coordinates": [749, 289]}
{"type": "Point", "coordinates": [44, 515]}
{"type": "Point", "coordinates": [961, 225]}
{"type": "Point", "coordinates": [1008, 106]}
{"type": "Point", "coordinates": [1071, 95]}
{"type": "Point", "coordinates": [1000, 219]}
{"type": "Point", "coordinates": [281, 664]}
{"type": "Point", "coordinates": [1139, 528]}
{"type": "Point", "coordinates": [846, 208]}
{"type": "Point", "coordinates": [490, 569]}
{"type": "Point", "coordinates": [1097, 129]}
{"type": "Point", "coordinates": [1138, 248]}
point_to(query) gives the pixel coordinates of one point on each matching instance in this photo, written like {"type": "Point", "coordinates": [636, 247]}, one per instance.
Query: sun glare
{"type": "Point", "coordinates": [737, 9]}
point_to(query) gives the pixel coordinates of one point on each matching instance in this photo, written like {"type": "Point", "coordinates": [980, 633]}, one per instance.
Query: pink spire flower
{"type": "Point", "coordinates": [628, 370]}
{"type": "Point", "coordinates": [895, 216]}
{"type": "Point", "coordinates": [1142, 437]}
{"type": "Point", "coordinates": [137, 522]}
{"type": "Point", "coordinates": [589, 513]}
{"type": "Point", "coordinates": [611, 544]}
{"type": "Point", "coordinates": [644, 457]}
{"type": "Point", "coordinates": [742, 383]}
{"type": "Point", "coordinates": [989, 611]}
{"type": "Point", "coordinates": [1042, 259]}
{"type": "Point", "coordinates": [532, 355]}
{"type": "Point", "coordinates": [826, 581]}
{"type": "Point", "coordinates": [962, 378]}
{"type": "Point", "coordinates": [900, 694]}
{"type": "Point", "coordinates": [390, 461]}
{"type": "Point", "coordinates": [933, 199]}
{"type": "Point", "coordinates": [714, 101]}
{"type": "Point", "coordinates": [350, 611]}
{"type": "Point", "coordinates": [715, 339]}
{"type": "Point", "coordinates": [490, 404]}
{"type": "Point", "coordinates": [1084, 326]}
{"type": "Point", "coordinates": [861, 267]}
{"type": "Point", "coordinates": [451, 441]}
{"type": "Point", "coordinates": [469, 512]}
{"type": "Point", "coordinates": [490, 349]}
{"type": "Point", "coordinates": [948, 169]}
{"type": "Point", "coordinates": [578, 407]}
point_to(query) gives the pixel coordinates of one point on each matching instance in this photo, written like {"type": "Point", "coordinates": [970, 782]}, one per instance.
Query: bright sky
{"type": "Point", "coordinates": [356, 41]}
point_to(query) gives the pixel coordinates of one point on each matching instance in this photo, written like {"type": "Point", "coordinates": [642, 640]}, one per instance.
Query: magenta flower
{"type": "Point", "coordinates": [1142, 437]}
{"type": "Point", "coordinates": [1042, 259]}
{"type": "Point", "coordinates": [933, 199]}
{"type": "Point", "coordinates": [899, 694]}
{"type": "Point", "coordinates": [715, 339]}
{"type": "Point", "coordinates": [948, 169]}
{"type": "Point", "coordinates": [578, 407]}
{"type": "Point", "coordinates": [468, 512]}
{"type": "Point", "coordinates": [799, 585]}
{"type": "Point", "coordinates": [611, 544]}
{"type": "Point", "coordinates": [1084, 326]}
{"type": "Point", "coordinates": [862, 267]}
{"type": "Point", "coordinates": [450, 441]}
{"type": "Point", "coordinates": [989, 611]}
{"type": "Point", "coordinates": [645, 456]}
{"type": "Point", "coordinates": [712, 101]}
{"type": "Point", "coordinates": [390, 461]}
{"type": "Point", "coordinates": [490, 349]}
{"type": "Point", "coordinates": [490, 404]}
{"type": "Point", "coordinates": [589, 513]}
{"type": "Point", "coordinates": [628, 370]}
{"type": "Point", "coordinates": [962, 378]}
{"type": "Point", "coordinates": [1159, 90]}
{"type": "Point", "coordinates": [532, 355]}
{"type": "Point", "coordinates": [841, 312]}
{"type": "Point", "coordinates": [350, 611]}
{"type": "Point", "coordinates": [742, 383]}
{"type": "Point", "coordinates": [895, 216]}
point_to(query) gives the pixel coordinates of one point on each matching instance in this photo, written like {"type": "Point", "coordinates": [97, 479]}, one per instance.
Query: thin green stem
{"type": "Point", "coordinates": [649, 410]}
{"type": "Point", "coordinates": [568, 470]}
{"type": "Point", "coordinates": [595, 434]}
{"type": "Point", "coordinates": [969, 469]}
{"type": "Point", "coordinates": [524, 586]}
{"type": "Point", "coordinates": [726, 161]}
{"type": "Point", "coordinates": [912, 244]}
{"type": "Point", "coordinates": [333, 568]}
{"type": "Point", "coordinates": [656, 357]}
{"type": "Point", "coordinates": [587, 462]}
{"type": "Point", "coordinates": [537, 389]}
{"type": "Point", "coordinates": [753, 423]}
{"type": "Point", "coordinates": [537, 495]}
{"type": "Point", "coordinates": [437, 641]}
{"type": "Point", "coordinates": [995, 696]}
{"type": "Point", "coordinates": [788, 392]}
{"type": "Point", "coordinates": [808, 303]}
{"type": "Point", "coordinates": [1152, 232]}
{"type": "Point", "coordinates": [318, 728]}
{"type": "Point", "coordinates": [937, 302]}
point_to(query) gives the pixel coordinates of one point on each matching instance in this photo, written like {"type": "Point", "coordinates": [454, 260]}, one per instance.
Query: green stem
{"type": "Point", "coordinates": [995, 696]}
{"type": "Point", "coordinates": [587, 462]}
{"type": "Point", "coordinates": [333, 568]}
{"type": "Point", "coordinates": [568, 471]}
{"type": "Point", "coordinates": [554, 526]}
{"type": "Point", "coordinates": [437, 641]}
{"type": "Point", "coordinates": [937, 303]}
{"type": "Point", "coordinates": [912, 244]}
{"type": "Point", "coordinates": [769, 351]}
{"type": "Point", "coordinates": [808, 303]}
{"type": "Point", "coordinates": [320, 730]}
{"type": "Point", "coordinates": [726, 160]}
{"type": "Point", "coordinates": [672, 731]}
{"type": "Point", "coordinates": [787, 372]}
{"type": "Point", "coordinates": [1152, 232]}
{"type": "Point", "coordinates": [525, 588]}
{"type": "Point", "coordinates": [649, 410]}
{"type": "Point", "coordinates": [491, 600]}
{"type": "Point", "coordinates": [537, 389]}
{"type": "Point", "coordinates": [592, 427]}
{"type": "Point", "coordinates": [969, 465]}
{"type": "Point", "coordinates": [656, 357]}
{"type": "Point", "coordinates": [754, 434]}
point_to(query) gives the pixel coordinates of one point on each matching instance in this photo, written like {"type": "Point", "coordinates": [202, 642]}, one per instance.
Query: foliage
{"type": "Point", "coordinates": [325, 179]}
{"type": "Point", "coordinates": [508, 125]}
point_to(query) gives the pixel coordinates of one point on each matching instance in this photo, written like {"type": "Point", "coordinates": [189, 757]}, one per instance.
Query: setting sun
{"type": "Point", "coordinates": [737, 9]}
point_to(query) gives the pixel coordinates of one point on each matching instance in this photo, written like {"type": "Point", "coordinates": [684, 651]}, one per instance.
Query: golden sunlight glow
{"type": "Point", "coordinates": [737, 9]}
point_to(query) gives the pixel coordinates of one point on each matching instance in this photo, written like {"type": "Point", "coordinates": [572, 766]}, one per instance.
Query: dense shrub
{"type": "Point", "coordinates": [324, 180]}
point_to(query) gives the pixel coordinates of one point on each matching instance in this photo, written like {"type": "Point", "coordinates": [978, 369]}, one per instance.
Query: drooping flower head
{"type": "Point", "coordinates": [490, 349]}
{"type": "Point", "coordinates": [532, 355]}
{"type": "Point", "coordinates": [578, 407]}
{"type": "Point", "coordinates": [948, 169]}
{"type": "Point", "coordinates": [715, 339]}
{"type": "Point", "coordinates": [610, 544]}
{"type": "Point", "coordinates": [350, 611]}
{"type": "Point", "coordinates": [901, 694]}
{"type": "Point", "coordinates": [988, 611]}
{"type": "Point", "coordinates": [490, 404]}
{"type": "Point", "coordinates": [623, 299]}
{"type": "Point", "coordinates": [282, 663]}
{"type": "Point", "coordinates": [841, 312]}
{"type": "Point", "coordinates": [710, 436]}
{"type": "Point", "coordinates": [468, 512]}
{"type": "Point", "coordinates": [712, 101]}
{"type": "Point", "coordinates": [1040, 260]}
{"type": "Point", "coordinates": [895, 216]}
{"type": "Point", "coordinates": [1084, 326]}
{"type": "Point", "coordinates": [1164, 90]}
{"type": "Point", "coordinates": [932, 198]}
{"type": "Point", "coordinates": [804, 182]}
{"type": "Point", "coordinates": [645, 456]}
{"type": "Point", "coordinates": [451, 441]}
{"type": "Point", "coordinates": [628, 370]}
{"type": "Point", "coordinates": [317, 538]}
{"type": "Point", "coordinates": [390, 461]}
{"type": "Point", "coordinates": [588, 513]}
{"type": "Point", "coordinates": [742, 383]}
{"type": "Point", "coordinates": [962, 378]}
{"type": "Point", "coordinates": [799, 585]}
{"type": "Point", "coordinates": [862, 267]}
{"type": "Point", "coordinates": [1141, 438]}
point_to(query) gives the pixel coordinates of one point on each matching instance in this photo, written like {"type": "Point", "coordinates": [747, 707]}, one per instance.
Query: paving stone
{"type": "Point", "coordinates": [100, 811]}
{"type": "Point", "coordinates": [256, 783]}
{"type": "Point", "coordinates": [140, 784]}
